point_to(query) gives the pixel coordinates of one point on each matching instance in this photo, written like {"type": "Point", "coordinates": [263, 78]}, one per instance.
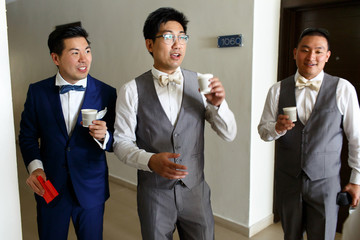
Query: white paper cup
{"type": "Point", "coordinates": [204, 83]}
{"type": "Point", "coordinates": [88, 115]}
{"type": "Point", "coordinates": [291, 112]}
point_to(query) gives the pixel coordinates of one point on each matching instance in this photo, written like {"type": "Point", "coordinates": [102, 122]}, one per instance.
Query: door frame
{"type": "Point", "coordinates": [288, 40]}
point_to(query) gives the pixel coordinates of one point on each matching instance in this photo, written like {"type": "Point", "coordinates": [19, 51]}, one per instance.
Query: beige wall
{"type": "Point", "coordinates": [239, 175]}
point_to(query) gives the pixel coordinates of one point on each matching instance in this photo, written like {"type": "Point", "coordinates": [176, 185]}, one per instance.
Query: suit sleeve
{"type": "Point", "coordinates": [29, 130]}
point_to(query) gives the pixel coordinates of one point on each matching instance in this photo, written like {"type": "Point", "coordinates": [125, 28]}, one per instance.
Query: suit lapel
{"type": "Point", "coordinates": [54, 99]}
{"type": "Point", "coordinates": [90, 94]}
{"type": "Point", "coordinates": [89, 99]}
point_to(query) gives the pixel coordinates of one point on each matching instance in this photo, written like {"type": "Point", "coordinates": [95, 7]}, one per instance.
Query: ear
{"type": "Point", "coordinates": [328, 54]}
{"type": "Point", "coordinates": [55, 58]}
{"type": "Point", "coordinates": [294, 52]}
{"type": "Point", "coordinates": [149, 45]}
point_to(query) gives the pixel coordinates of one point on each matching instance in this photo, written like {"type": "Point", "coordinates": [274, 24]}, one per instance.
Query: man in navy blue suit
{"type": "Point", "coordinates": [56, 146]}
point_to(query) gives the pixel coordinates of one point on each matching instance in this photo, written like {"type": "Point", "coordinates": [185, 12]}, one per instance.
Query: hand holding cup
{"type": "Point", "coordinates": [212, 88]}
{"type": "Point", "coordinates": [89, 115]}
{"type": "Point", "coordinates": [204, 83]}
{"type": "Point", "coordinates": [291, 112]}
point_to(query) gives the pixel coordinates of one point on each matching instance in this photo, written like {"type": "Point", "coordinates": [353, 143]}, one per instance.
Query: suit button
{"type": "Point", "coordinates": [177, 147]}
{"type": "Point", "coordinates": [68, 149]}
{"type": "Point", "coordinates": [176, 134]}
{"type": "Point", "coordinates": [177, 160]}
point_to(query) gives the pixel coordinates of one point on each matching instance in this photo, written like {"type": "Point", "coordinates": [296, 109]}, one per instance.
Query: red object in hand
{"type": "Point", "coordinates": [50, 191]}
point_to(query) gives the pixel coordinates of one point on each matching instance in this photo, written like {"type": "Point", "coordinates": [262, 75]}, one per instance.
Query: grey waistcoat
{"type": "Point", "coordinates": [316, 147]}
{"type": "Point", "coordinates": [155, 133]}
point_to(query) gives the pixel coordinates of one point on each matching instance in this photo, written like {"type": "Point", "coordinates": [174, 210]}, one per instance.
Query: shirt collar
{"type": "Point", "coordinates": [60, 81]}
{"type": "Point", "coordinates": [319, 77]}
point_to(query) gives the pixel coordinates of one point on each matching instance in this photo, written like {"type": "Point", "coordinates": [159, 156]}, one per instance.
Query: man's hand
{"type": "Point", "coordinates": [161, 164]}
{"type": "Point", "coordinates": [34, 184]}
{"type": "Point", "coordinates": [217, 94]}
{"type": "Point", "coordinates": [98, 130]}
{"type": "Point", "coordinates": [354, 191]}
{"type": "Point", "coordinates": [283, 124]}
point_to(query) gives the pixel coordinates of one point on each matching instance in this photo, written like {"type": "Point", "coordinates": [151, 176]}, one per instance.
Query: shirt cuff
{"type": "Point", "coordinates": [220, 110]}
{"type": "Point", "coordinates": [355, 177]}
{"type": "Point", "coordinates": [35, 164]}
{"type": "Point", "coordinates": [143, 161]}
{"type": "Point", "coordinates": [275, 134]}
{"type": "Point", "coordinates": [103, 144]}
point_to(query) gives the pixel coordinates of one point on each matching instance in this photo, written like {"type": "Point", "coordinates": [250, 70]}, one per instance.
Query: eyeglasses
{"type": "Point", "coordinates": [169, 39]}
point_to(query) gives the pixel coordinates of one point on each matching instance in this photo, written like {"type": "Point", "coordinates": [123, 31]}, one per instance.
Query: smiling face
{"type": "Point", "coordinates": [75, 60]}
{"type": "Point", "coordinates": [167, 58]}
{"type": "Point", "coordinates": [311, 55]}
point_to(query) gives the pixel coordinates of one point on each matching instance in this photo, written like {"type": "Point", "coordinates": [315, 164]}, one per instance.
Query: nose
{"type": "Point", "coordinates": [84, 57]}
{"type": "Point", "coordinates": [311, 55]}
{"type": "Point", "coordinates": [176, 43]}
{"type": "Point", "coordinates": [81, 57]}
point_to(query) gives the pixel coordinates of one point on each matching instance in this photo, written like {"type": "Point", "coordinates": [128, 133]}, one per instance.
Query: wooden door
{"type": "Point", "coordinates": [342, 20]}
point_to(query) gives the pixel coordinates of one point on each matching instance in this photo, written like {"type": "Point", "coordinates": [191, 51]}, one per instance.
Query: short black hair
{"type": "Point", "coordinates": [322, 32]}
{"type": "Point", "coordinates": [159, 16]}
{"type": "Point", "coordinates": [57, 37]}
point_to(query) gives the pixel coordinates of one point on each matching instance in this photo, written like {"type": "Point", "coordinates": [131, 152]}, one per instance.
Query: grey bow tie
{"type": "Point", "coordinates": [165, 79]}
{"type": "Point", "coordinates": [302, 82]}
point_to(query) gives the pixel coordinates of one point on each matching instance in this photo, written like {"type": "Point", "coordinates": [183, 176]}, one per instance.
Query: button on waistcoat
{"type": "Point", "coordinates": [155, 133]}
{"type": "Point", "coordinates": [316, 147]}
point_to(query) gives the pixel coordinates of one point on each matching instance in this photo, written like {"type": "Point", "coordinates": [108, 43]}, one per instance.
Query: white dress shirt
{"type": "Point", "coordinates": [221, 119]}
{"type": "Point", "coordinates": [71, 103]}
{"type": "Point", "coordinates": [347, 103]}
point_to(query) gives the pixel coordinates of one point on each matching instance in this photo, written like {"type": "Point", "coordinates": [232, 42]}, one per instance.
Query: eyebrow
{"type": "Point", "coordinates": [169, 31]}
{"type": "Point", "coordinates": [306, 46]}
{"type": "Point", "coordinates": [317, 48]}
{"type": "Point", "coordinates": [76, 49]}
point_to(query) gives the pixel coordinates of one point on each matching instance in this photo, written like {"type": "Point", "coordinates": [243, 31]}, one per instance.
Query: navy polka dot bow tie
{"type": "Point", "coordinates": [66, 88]}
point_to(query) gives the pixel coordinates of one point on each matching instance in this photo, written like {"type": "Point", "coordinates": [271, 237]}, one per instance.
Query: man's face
{"type": "Point", "coordinates": [167, 57]}
{"type": "Point", "coordinates": [75, 60]}
{"type": "Point", "coordinates": [311, 55]}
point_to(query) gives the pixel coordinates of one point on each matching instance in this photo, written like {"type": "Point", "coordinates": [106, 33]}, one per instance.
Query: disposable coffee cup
{"type": "Point", "coordinates": [291, 112]}
{"type": "Point", "coordinates": [88, 115]}
{"type": "Point", "coordinates": [204, 82]}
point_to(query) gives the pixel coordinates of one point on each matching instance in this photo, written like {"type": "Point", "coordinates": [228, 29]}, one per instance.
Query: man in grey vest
{"type": "Point", "coordinates": [308, 162]}
{"type": "Point", "coordinates": [160, 131]}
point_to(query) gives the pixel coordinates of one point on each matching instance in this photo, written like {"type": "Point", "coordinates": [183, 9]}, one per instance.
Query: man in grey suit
{"type": "Point", "coordinates": [308, 162]}
{"type": "Point", "coordinates": [160, 119]}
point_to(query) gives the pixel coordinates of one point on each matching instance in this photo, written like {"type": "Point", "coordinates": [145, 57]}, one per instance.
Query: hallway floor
{"type": "Point", "coordinates": [121, 220]}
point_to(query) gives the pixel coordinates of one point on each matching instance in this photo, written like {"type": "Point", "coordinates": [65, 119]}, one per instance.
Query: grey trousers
{"type": "Point", "coordinates": [307, 206]}
{"type": "Point", "coordinates": [161, 211]}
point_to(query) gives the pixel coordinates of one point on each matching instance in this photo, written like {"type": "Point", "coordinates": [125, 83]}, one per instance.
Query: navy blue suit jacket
{"type": "Point", "coordinates": [43, 136]}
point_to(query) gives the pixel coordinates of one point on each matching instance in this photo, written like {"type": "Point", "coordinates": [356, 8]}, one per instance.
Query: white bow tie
{"type": "Point", "coordinates": [165, 79]}
{"type": "Point", "coordinates": [302, 82]}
